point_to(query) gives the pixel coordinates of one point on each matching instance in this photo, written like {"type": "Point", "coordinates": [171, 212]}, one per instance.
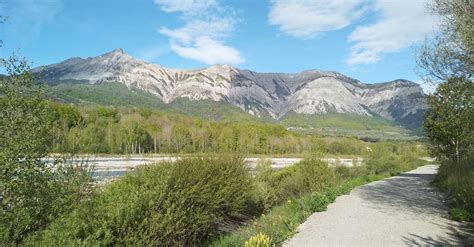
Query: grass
{"type": "Point", "coordinates": [457, 181]}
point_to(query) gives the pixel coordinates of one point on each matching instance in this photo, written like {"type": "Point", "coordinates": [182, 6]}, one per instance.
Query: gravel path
{"type": "Point", "coordinates": [398, 211]}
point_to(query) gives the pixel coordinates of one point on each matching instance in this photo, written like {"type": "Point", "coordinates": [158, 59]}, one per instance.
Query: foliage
{"type": "Point", "coordinates": [130, 131]}
{"type": "Point", "coordinates": [274, 187]}
{"type": "Point", "coordinates": [25, 119]}
{"type": "Point", "coordinates": [449, 53]}
{"type": "Point", "coordinates": [102, 129]}
{"type": "Point", "coordinates": [449, 123]}
{"type": "Point", "coordinates": [391, 159]}
{"type": "Point", "coordinates": [449, 126]}
{"type": "Point", "coordinates": [32, 193]}
{"type": "Point", "coordinates": [259, 240]}
{"type": "Point", "coordinates": [345, 146]}
{"type": "Point", "coordinates": [343, 121]}
{"type": "Point", "coordinates": [182, 203]}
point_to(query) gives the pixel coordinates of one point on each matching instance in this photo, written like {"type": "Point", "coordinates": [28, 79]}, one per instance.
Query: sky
{"type": "Point", "coordinates": [369, 40]}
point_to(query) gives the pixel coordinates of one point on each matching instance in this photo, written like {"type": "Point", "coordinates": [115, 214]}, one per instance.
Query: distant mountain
{"type": "Point", "coordinates": [258, 94]}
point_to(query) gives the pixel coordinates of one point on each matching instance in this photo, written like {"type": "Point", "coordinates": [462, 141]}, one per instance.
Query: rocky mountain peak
{"type": "Point", "coordinates": [276, 94]}
{"type": "Point", "coordinates": [115, 56]}
{"type": "Point", "coordinates": [115, 52]}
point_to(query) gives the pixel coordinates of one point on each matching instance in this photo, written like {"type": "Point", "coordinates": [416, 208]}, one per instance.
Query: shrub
{"type": "Point", "coordinates": [264, 194]}
{"type": "Point", "coordinates": [391, 159]}
{"type": "Point", "coordinates": [346, 146]}
{"type": "Point", "coordinates": [276, 186]}
{"type": "Point", "coordinates": [316, 174]}
{"type": "Point", "coordinates": [35, 202]}
{"type": "Point", "coordinates": [343, 172]}
{"type": "Point", "coordinates": [182, 203]}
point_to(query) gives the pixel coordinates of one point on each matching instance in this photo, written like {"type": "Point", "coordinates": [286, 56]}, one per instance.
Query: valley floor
{"type": "Point", "coordinates": [397, 211]}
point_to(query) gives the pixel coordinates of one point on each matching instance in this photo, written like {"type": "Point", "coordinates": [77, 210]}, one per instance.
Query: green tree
{"type": "Point", "coordinates": [31, 191]}
{"type": "Point", "coordinates": [449, 121]}
{"type": "Point", "coordinates": [449, 53]}
{"type": "Point", "coordinates": [65, 118]}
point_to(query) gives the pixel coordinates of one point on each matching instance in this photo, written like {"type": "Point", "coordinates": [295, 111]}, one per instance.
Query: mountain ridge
{"type": "Point", "coordinates": [307, 92]}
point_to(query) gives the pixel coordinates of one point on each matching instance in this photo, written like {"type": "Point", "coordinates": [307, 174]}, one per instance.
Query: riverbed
{"type": "Point", "coordinates": [110, 167]}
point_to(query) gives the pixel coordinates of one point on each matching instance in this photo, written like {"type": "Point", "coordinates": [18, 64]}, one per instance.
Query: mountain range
{"type": "Point", "coordinates": [311, 92]}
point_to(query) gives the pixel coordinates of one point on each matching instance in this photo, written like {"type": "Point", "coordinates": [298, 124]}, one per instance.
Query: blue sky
{"type": "Point", "coordinates": [370, 40]}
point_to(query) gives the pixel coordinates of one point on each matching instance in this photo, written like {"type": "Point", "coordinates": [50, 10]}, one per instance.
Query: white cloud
{"type": "Point", "coordinates": [201, 38]}
{"type": "Point", "coordinates": [214, 28]}
{"type": "Point", "coordinates": [402, 23]}
{"type": "Point", "coordinates": [308, 18]}
{"type": "Point", "coordinates": [186, 6]}
{"type": "Point", "coordinates": [209, 51]}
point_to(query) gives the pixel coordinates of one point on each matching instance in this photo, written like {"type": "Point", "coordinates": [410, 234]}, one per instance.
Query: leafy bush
{"type": "Point", "coordinates": [33, 203]}
{"type": "Point", "coordinates": [276, 186]}
{"type": "Point", "coordinates": [346, 146]}
{"type": "Point", "coordinates": [315, 174]}
{"type": "Point", "coordinates": [182, 203]}
{"type": "Point", "coordinates": [391, 159]}
{"type": "Point", "coordinates": [32, 193]}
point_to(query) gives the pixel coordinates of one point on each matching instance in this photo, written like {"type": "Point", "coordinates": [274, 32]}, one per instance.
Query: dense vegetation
{"type": "Point", "coordinates": [450, 127]}
{"type": "Point", "coordinates": [447, 60]}
{"type": "Point", "coordinates": [32, 193]}
{"type": "Point", "coordinates": [170, 204]}
{"type": "Point", "coordinates": [201, 201]}
{"type": "Point", "coordinates": [139, 131]}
